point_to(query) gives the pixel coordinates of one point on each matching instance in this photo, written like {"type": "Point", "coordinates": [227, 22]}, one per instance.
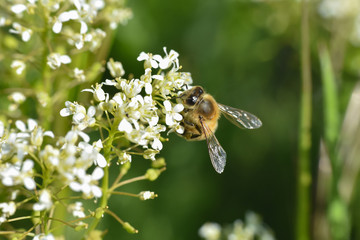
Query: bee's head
{"type": "Point", "coordinates": [190, 97]}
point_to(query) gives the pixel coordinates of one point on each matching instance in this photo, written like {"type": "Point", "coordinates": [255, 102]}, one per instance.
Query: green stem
{"type": "Point", "coordinates": [303, 168]}
{"type": "Point", "coordinates": [105, 180]}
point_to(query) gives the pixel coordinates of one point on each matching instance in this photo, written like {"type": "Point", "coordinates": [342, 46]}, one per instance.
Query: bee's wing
{"type": "Point", "coordinates": [240, 118]}
{"type": "Point", "coordinates": [216, 152]}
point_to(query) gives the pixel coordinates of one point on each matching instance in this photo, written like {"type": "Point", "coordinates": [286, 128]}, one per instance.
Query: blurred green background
{"type": "Point", "coordinates": [246, 54]}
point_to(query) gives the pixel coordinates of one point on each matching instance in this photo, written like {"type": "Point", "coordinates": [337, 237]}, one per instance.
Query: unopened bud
{"type": "Point", "coordinates": [158, 163]}
{"type": "Point", "coordinates": [129, 228]}
{"type": "Point", "coordinates": [152, 174]}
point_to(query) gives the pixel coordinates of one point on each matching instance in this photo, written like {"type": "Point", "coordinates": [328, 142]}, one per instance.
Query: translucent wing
{"type": "Point", "coordinates": [216, 152]}
{"type": "Point", "coordinates": [240, 118]}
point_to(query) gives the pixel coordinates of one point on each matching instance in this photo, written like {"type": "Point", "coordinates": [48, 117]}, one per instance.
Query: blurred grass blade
{"type": "Point", "coordinates": [338, 215]}
{"type": "Point", "coordinates": [331, 106]}
{"type": "Point", "coordinates": [303, 168]}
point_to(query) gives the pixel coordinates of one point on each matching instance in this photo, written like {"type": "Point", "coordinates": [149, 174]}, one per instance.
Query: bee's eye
{"type": "Point", "coordinates": [191, 100]}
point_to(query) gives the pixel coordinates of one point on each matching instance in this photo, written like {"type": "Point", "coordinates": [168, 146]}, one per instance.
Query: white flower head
{"type": "Point", "coordinates": [45, 202]}
{"type": "Point", "coordinates": [99, 94]}
{"type": "Point", "coordinates": [19, 66]}
{"type": "Point", "coordinates": [43, 236]}
{"type": "Point", "coordinates": [170, 59]}
{"type": "Point", "coordinates": [172, 113]}
{"type": "Point", "coordinates": [116, 68]}
{"type": "Point", "coordinates": [151, 61]}
{"type": "Point", "coordinates": [146, 195]}
{"type": "Point", "coordinates": [79, 75]}
{"type": "Point", "coordinates": [6, 210]}
{"type": "Point", "coordinates": [210, 231]}
{"type": "Point", "coordinates": [54, 60]}
{"type": "Point", "coordinates": [23, 31]}
{"type": "Point", "coordinates": [87, 184]}
{"type": "Point", "coordinates": [17, 97]}
{"type": "Point", "coordinates": [77, 209]}
{"type": "Point", "coordinates": [124, 157]}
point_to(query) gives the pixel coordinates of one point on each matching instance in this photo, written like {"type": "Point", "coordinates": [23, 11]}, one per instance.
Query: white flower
{"type": "Point", "coordinates": [146, 195]}
{"type": "Point", "coordinates": [132, 88]}
{"type": "Point", "coordinates": [42, 236]}
{"type": "Point", "coordinates": [54, 60]}
{"type": "Point", "coordinates": [99, 94]}
{"type": "Point", "coordinates": [14, 174]}
{"type": "Point", "coordinates": [6, 210]}
{"type": "Point", "coordinates": [73, 135]}
{"type": "Point", "coordinates": [171, 58]}
{"type": "Point", "coordinates": [24, 32]}
{"type": "Point", "coordinates": [18, 66]}
{"type": "Point", "coordinates": [89, 152]}
{"type": "Point", "coordinates": [210, 231]}
{"type": "Point", "coordinates": [79, 75]}
{"type": "Point", "coordinates": [45, 202]}
{"type": "Point", "coordinates": [77, 209]}
{"type": "Point", "coordinates": [124, 157]}
{"type": "Point", "coordinates": [116, 68]}
{"type": "Point", "coordinates": [151, 61]}
{"type": "Point", "coordinates": [81, 118]}
{"type": "Point", "coordinates": [87, 183]}
{"type": "Point", "coordinates": [18, 8]}
{"type": "Point", "coordinates": [17, 97]}
{"type": "Point", "coordinates": [64, 17]}
{"type": "Point", "coordinates": [172, 114]}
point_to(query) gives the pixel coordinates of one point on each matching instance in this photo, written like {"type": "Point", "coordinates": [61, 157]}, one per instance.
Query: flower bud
{"type": "Point", "coordinates": [152, 174]}
{"type": "Point", "coordinates": [129, 228]}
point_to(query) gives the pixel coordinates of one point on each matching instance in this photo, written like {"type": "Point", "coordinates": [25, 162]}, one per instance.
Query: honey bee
{"type": "Point", "coordinates": [200, 120]}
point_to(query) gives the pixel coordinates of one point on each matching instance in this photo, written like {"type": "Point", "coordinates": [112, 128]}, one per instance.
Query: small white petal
{"type": "Point", "coordinates": [101, 161]}
{"type": "Point", "coordinates": [178, 108]}
{"type": "Point", "coordinates": [7, 181]}
{"type": "Point", "coordinates": [177, 117]}
{"type": "Point", "coordinates": [75, 186]}
{"type": "Point", "coordinates": [158, 77]}
{"type": "Point", "coordinates": [25, 36]}
{"type": "Point", "coordinates": [29, 183]}
{"type": "Point", "coordinates": [83, 28]}
{"type": "Point", "coordinates": [157, 145]}
{"type": "Point", "coordinates": [65, 112]}
{"type": "Point", "coordinates": [96, 191]}
{"type": "Point", "coordinates": [143, 56]}
{"type": "Point", "coordinates": [84, 136]}
{"type": "Point", "coordinates": [97, 174]}
{"type": "Point", "coordinates": [65, 59]}
{"type": "Point", "coordinates": [18, 8]}
{"type": "Point", "coordinates": [31, 124]}
{"type": "Point", "coordinates": [78, 117]}
{"type": "Point", "coordinates": [27, 165]}
{"type": "Point", "coordinates": [38, 207]}
{"type": "Point", "coordinates": [49, 134]}
{"type": "Point", "coordinates": [20, 125]}
{"type": "Point", "coordinates": [169, 120]}
{"type": "Point", "coordinates": [125, 126]}
{"type": "Point", "coordinates": [57, 27]}
{"type": "Point", "coordinates": [91, 111]}
{"type": "Point", "coordinates": [167, 105]}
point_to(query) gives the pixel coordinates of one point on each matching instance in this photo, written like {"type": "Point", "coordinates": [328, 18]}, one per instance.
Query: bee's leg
{"type": "Point", "coordinates": [191, 130]}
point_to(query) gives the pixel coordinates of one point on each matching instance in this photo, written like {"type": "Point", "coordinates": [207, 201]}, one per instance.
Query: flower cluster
{"type": "Point", "coordinates": [142, 108]}
{"type": "Point", "coordinates": [251, 228]}
{"type": "Point", "coordinates": [22, 152]}
{"type": "Point", "coordinates": [75, 27]}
